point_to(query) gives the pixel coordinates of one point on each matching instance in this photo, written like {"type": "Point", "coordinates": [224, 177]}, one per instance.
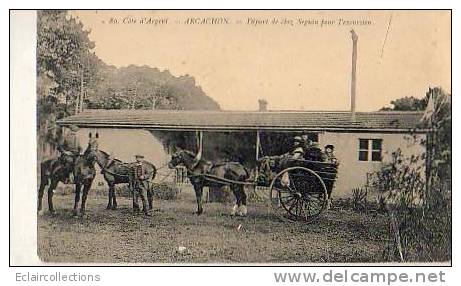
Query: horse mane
{"type": "Point", "coordinates": [188, 152]}
{"type": "Point", "coordinates": [107, 155]}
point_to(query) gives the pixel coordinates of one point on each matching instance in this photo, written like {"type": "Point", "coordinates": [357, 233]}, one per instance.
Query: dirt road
{"type": "Point", "coordinates": [175, 235]}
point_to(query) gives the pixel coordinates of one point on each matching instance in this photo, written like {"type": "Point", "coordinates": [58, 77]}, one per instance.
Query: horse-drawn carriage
{"type": "Point", "coordinates": [298, 187]}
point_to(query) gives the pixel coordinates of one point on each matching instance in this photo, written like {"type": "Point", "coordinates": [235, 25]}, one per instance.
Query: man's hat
{"type": "Point", "coordinates": [314, 145]}
{"type": "Point", "coordinates": [329, 146]}
{"type": "Point", "coordinates": [298, 139]}
{"type": "Point", "coordinates": [74, 128]}
{"type": "Point", "coordinates": [139, 156]}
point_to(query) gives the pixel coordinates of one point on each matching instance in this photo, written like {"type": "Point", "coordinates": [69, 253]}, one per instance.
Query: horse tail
{"type": "Point", "coordinates": [154, 172]}
{"type": "Point", "coordinates": [45, 171]}
{"type": "Point", "coordinates": [247, 172]}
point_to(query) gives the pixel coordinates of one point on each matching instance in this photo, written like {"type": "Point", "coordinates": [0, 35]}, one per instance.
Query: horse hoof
{"type": "Point", "coordinates": [234, 210]}
{"type": "Point", "coordinates": [242, 211]}
{"type": "Point", "coordinates": [113, 208]}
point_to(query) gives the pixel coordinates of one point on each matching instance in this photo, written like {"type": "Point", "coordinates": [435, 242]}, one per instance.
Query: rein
{"type": "Point", "coordinates": [113, 173]}
{"type": "Point", "coordinates": [105, 169]}
{"type": "Point", "coordinates": [222, 180]}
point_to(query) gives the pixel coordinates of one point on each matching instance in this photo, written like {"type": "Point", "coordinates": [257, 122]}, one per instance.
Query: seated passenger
{"type": "Point", "coordinates": [298, 149]}
{"type": "Point", "coordinates": [329, 156]}
{"type": "Point", "coordinates": [313, 152]}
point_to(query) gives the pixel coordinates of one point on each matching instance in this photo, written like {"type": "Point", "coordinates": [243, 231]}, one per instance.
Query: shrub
{"type": "Point", "coordinates": [419, 217]}
{"type": "Point", "coordinates": [165, 191]}
{"type": "Point", "coordinates": [359, 199]}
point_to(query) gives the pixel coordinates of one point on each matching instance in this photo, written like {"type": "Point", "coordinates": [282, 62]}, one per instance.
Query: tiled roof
{"type": "Point", "coordinates": [244, 120]}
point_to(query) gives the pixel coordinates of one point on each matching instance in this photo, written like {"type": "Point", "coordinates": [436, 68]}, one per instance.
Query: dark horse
{"type": "Point", "coordinates": [228, 170]}
{"type": "Point", "coordinates": [117, 172]}
{"type": "Point", "coordinates": [56, 170]}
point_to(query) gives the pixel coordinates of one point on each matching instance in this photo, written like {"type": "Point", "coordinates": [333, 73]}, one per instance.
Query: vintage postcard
{"type": "Point", "coordinates": [243, 136]}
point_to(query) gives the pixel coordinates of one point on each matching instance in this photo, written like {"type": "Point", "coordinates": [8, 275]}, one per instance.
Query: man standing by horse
{"type": "Point", "coordinates": [140, 184]}
{"type": "Point", "coordinates": [70, 146]}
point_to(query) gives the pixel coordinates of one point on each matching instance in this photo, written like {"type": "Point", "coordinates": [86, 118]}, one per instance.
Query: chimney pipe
{"type": "Point", "coordinates": [353, 73]}
{"type": "Point", "coordinates": [262, 105]}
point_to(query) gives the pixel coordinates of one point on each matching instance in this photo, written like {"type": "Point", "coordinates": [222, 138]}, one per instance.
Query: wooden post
{"type": "Point", "coordinates": [199, 136]}
{"type": "Point", "coordinates": [353, 73]}
{"type": "Point", "coordinates": [80, 104]}
{"type": "Point", "coordinates": [430, 148]}
{"type": "Point", "coordinates": [258, 143]}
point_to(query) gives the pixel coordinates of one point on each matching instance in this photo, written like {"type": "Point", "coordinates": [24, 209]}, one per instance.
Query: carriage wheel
{"type": "Point", "coordinates": [299, 193]}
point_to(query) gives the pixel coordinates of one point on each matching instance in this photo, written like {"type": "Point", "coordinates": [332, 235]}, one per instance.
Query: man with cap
{"type": "Point", "coordinates": [328, 155]}
{"type": "Point", "coordinates": [313, 152]}
{"type": "Point", "coordinates": [140, 184]}
{"type": "Point", "coordinates": [296, 153]}
{"type": "Point", "coordinates": [69, 146]}
{"type": "Point", "coordinates": [298, 149]}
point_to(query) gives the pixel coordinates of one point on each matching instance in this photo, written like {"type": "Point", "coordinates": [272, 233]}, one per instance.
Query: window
{"type": "Point", "coordinates": [363, 149]}
{"type": "Point", "coordinates": [370, 149]}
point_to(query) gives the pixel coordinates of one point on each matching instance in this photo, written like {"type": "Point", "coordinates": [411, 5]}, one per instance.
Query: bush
{"type": "Point", "coordinates": [165, 191]}
{"type": "Point", "coordinates": [123, 190]}
{"type": "Point", "coordinates": [359, 199]}
{"type": "Point", "coordinates": [419, 217]}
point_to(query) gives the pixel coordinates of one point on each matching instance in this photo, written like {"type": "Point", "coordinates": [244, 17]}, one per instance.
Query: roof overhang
{"type": "Point", "coordinates": [367, 122]}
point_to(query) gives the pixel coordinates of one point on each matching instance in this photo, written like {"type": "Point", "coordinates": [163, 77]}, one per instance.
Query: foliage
{"type": "Point", "coordinates": [165, 191]}
{"type": "Point", "coordinates": [419, 223]}
{"type": "Point", "coordinates": [64, 63]}
{"type": "Point", "coordinates": [407, 103]}
{"type": "Point", "coordinates": [417, 190]}
{"type": "Point", "coordinates": [401, 180]}
{"type": "Point", "coordinates": [143, 87]}
{"type": "Point", "coordinates": [438, 144]}
{"type": "Point", "coordinates": [359, 199]}
{"type": "Point", "coordinates": [64, 53]}
{"type": "Point", "coordinates": [162, 191]}
{"type": "Point", "coordinates": [70, 76]}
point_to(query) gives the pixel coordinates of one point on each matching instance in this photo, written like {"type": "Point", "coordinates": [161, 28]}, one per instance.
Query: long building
{"type": "Point", "coordinates": [362, 142]}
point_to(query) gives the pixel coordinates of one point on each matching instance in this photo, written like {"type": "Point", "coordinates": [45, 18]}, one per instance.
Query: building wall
{"type": "Point", "coordinates": [352, 173]}
{"type": "Point", "coordinates": [125, 143]}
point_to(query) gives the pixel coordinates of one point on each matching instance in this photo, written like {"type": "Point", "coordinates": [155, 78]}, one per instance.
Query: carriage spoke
{"type": "Point", "coordinates": [306, 214]}
{"type": "Point", "coordinates": [291, 207]}
{"type": "Point", "coordinates": [294, 183]}
{"type": "Point", "coordinates": [314, 207]}
{"type": "Point", "coordinates": [299, 209]}
{"type": "Point", "coordinates": [301, 192]}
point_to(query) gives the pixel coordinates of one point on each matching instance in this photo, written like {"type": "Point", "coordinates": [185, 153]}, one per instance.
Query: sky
{"type": "Point", "coordinates": [294, 64]}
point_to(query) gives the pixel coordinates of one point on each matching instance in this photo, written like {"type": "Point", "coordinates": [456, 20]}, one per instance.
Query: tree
{"type": "Point", "coordinates": [437, 120]}
{"type": "Point", "coordinates": [420, 207]}
{"type": "Point", "coordinates": [64, 55]}
{"type": "Point", "coordinates": [65, 68]}
{"type": "Point", "coordinates": [143, 87]}
{"type": "Point", "coordinates": [407, 103]}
